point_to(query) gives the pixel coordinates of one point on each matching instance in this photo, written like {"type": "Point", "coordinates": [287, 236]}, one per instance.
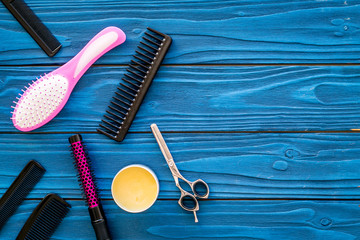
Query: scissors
{"type": "Point", "coordinates": [200, 189]}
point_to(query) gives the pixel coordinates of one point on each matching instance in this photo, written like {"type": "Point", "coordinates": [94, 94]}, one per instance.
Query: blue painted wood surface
{"type": "Point", "coordinates": [293, 220]}
{"type": "Point", "coordinates": [209, 98]}
{"type": "Point", "coordinates": [236, 165]}
{"type": "Point", "coordinates": [258, 98]}
{"type": "Point", "coordinates": [257, 31]}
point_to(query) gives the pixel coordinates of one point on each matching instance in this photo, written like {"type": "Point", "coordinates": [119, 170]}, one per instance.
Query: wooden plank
{"type": "Point", "coordinates": [269, 220]}
{"type": "Point", "coordinates": [282, 98]}
{"type": "Point", "coordinates": [215, 31]}
{"type": "Point", "coordinates": [263, 166]}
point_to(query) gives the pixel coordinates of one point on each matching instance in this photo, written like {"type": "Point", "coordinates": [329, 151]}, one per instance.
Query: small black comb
{"type": "Point", "coordinates": [136, 82]}
{"type": "Point", "coordinates": [19, 189]}
{"type": "Point", "coordinates": [45, 218]}
{"type": "Point", "coordinates": [33, 25]}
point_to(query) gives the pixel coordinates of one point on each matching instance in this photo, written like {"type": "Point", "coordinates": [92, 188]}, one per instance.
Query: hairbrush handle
{"type": "Point", "coordinates": [99, 223]}
{"type": "Point", "coordinates": [103, 42]}
{"type": "Point", "coordinates": [86, 179]}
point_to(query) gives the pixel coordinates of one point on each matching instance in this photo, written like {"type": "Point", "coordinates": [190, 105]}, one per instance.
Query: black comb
{"type": "Point", "coordinates": [45, 218]}
{"type": "Point", "coordinates": [19, 189]}
{"type": "Point", "coordinates": [33, 25]}
{"type": "Point", "coordinates": [135, 84]}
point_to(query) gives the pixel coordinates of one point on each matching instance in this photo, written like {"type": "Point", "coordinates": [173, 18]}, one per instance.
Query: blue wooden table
{"type": "Point", "coordinates": [258, 98]}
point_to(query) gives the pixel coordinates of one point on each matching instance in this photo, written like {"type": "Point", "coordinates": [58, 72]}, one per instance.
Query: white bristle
{"type": "Point", "coordinates": [36, 105]}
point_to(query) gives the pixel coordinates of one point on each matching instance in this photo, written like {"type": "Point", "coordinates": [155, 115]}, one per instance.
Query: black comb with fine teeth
{"type": "Point", "coordinates": [45, 218]}
{"type": "Point", "coordinates": [19, 189]}
{"type": "Point", "coordinates": [135, 83]}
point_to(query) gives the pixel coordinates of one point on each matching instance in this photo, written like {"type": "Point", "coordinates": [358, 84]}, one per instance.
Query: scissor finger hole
{"type": "Point", "coordinates": [188, 203]}
{"type": "Point", "coordinates": [200, 189]}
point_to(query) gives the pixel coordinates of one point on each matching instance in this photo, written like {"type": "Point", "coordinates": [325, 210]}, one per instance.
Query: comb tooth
{"type": "Point", "coordinates": [138, 69]}
{"type": "Point", "coordinates": [129, 82]}
{"type": "Point", "coordinates": [139, 58]}
{"type": "Point", "coordinates": [144, 55]}
{"type": "Point", "coordinates": [154, 31]}
{"type": "Point", "coordinates": [150, 35]}
{"type": "Point", "coordinates": [105, 133]}
{"type": "Point", "coordinates": [128, 93]}
{"type": "Point", "coordinates": [140, 64]}
{"type": "Point", "coordinates": [149, 46]}
{"type": "Point", "coordinates": [112, 119]}
{"type": "Point", "coordinates": [114, 126]}
{"type": "Point", "coordinates": [130, 88]}
{"type": "Point", "coordinates": [107, 128]}
{"type": "Point", "coordinates": [118, 105]}
{"type": "Point", "coordinates": [120, 100]}
{"type": "Point", "coordinates": [149, 40]}
{"type": "Point", "coordinates": [111, 113]}
{"type": "Point", "coordinates": [145, 50]}
{"type": "Point", "coordinates": [121, 95]}
{"type": "Point", "coordinates": [116, 110]}
{"type": "Point", "coordinates": [133, 78]}
{"type": "Point", "coordinates": [136, 74]}
{"type": "Point", "coordinates": [123, 102]}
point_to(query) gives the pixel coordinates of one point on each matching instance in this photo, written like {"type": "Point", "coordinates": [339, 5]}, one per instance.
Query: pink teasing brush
{"type": "Point", "coordinates": [85, 174]}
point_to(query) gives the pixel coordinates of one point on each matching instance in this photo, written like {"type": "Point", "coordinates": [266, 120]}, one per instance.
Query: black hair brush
{"type": "Point", "coordinates": [136, 82]}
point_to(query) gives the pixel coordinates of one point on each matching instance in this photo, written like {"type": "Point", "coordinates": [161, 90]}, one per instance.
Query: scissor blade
{"type": "Point", "coordinates": [160, 140]}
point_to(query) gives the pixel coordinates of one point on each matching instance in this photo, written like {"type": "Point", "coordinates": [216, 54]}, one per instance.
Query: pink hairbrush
{"type": "Point", "coordinates": [86, 179]}
{"type": "Point", "coordinates": [45, 98]}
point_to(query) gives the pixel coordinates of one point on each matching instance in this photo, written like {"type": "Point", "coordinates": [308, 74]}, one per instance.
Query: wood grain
{"type": "Point", "coordinates": [263, 166]}
{"type": "Point", "coordinates": [204, 32]}
{"type": "Point", "coordinates": [226, 123]}
{"type": "Point", "coordinates": [282, 98]}
{"type": "Point", "coordinates": [265, 220]}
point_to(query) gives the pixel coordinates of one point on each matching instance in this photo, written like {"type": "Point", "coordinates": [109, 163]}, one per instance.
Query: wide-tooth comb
{"type": "Point", "coordinates": [45, 218]}
{"type": "Point", "coordinates": [87, 180]}
{"type": "Point", "coordinates": [19, 189]}
{"type": "Point", "coordinates": [135, 84]}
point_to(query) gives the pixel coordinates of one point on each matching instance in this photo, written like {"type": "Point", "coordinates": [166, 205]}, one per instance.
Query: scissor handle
{"type": "Point", "coordinates": [200, 188]}
{"type": "Point", "coordinates": [189, 203]}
